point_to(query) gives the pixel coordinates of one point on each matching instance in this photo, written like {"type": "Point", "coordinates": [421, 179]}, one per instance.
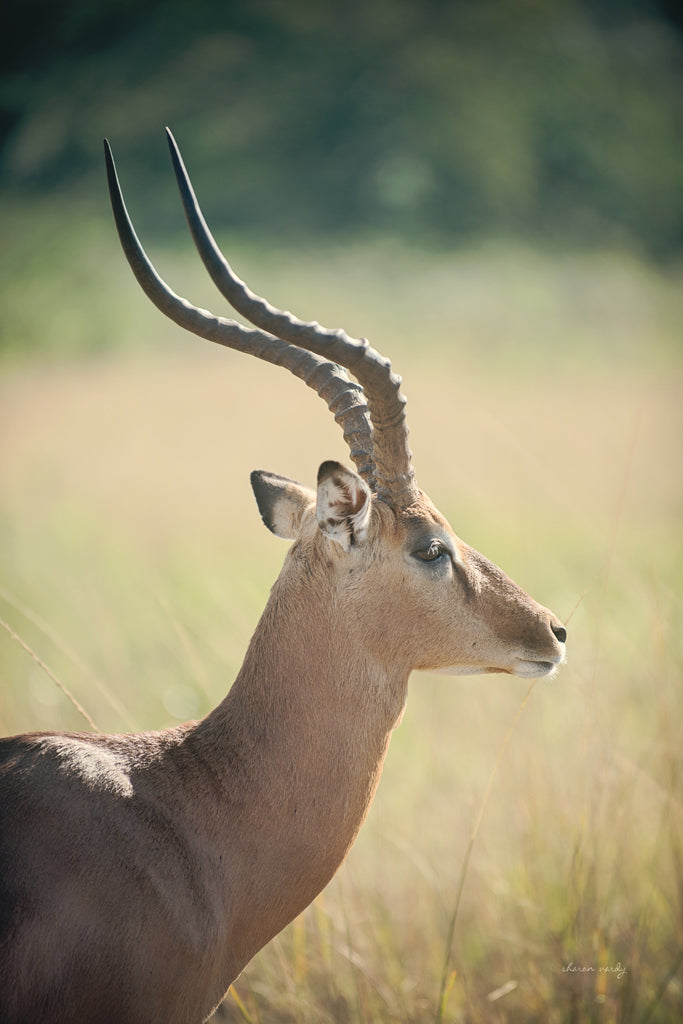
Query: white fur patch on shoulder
{"type": "Point", "coordinates": [99, 768]}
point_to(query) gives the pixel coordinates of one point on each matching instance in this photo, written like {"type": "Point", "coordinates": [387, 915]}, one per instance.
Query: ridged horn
{"type": "Point", "coordinates": [372, 416]}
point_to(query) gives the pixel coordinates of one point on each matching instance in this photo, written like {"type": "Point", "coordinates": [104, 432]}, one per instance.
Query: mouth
{"type": "Point", "coordinates": [523, 668]}
{"type": "Point", "coordinates": [536, 669]}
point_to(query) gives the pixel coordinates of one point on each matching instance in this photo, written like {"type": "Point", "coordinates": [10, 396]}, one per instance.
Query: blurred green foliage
{"type": "Point", "coordinates": [556, 120]}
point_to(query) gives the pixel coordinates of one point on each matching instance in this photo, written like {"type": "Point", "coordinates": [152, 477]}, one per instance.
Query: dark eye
{"type": "Point", "coordinates": [433, 553]}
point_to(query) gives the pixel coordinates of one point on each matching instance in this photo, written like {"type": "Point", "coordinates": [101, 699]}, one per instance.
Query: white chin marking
{"type": "Point", "coordinates": [534, 669]}
{"type": "Point", "coordinates": [463, 670]}
{"type": "Point", "coordinates": [522, 669]}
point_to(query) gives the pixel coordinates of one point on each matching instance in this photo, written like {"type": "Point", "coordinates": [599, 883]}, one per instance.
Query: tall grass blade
{"type": "Point", "coordinates": [447, 975]}
{"type": "Point", "coordinates": [79, 707]}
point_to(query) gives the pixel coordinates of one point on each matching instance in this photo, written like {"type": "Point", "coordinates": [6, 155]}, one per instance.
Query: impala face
{"type": "Point", "coordinates": [487, 623]}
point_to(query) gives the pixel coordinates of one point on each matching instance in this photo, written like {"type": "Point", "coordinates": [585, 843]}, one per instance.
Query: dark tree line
{"type": "Point", "coordinates": [554, 119]}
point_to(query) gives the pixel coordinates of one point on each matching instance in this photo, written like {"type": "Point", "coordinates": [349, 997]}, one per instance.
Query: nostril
{"type": "Point", "coordinates": [560, 632]}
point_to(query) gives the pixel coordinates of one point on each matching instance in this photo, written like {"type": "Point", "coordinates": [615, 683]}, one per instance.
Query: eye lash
{"type": "Point", "coordinates": [433, 552]}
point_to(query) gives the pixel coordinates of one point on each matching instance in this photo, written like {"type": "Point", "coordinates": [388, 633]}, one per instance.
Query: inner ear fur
{"type": "Point", "coordinates": [343, 505]}
{"type": "Point", "coordinates": [282, 502]}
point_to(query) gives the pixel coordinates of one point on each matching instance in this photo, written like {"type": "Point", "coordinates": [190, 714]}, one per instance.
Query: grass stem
{"type": "Point", "coordinates": [447, 974]}
{"type": "Point", "coordinates": [79, 707]}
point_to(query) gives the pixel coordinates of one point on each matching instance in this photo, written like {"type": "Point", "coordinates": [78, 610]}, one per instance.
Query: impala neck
{"type": "Point", "coordinates": [301, 738]}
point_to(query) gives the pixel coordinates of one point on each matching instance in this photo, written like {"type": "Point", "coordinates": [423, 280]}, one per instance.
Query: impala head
{"type": "Point", "coordinates": [420, 597]}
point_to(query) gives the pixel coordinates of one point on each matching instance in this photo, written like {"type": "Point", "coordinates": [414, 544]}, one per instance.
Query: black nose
{"type": "Point", "coordinates": [559, 631]}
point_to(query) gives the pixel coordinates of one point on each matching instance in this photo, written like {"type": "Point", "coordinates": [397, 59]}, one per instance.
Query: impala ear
{"type": "Point", "coordinates": [343, 505]}
{"type": "Point", "coordinates": [281, 502]}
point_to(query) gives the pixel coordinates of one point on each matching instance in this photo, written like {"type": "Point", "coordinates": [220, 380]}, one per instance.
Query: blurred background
{"type": "Point", "coordinates": [492, 192]}
{"type": "Point", "coordinates": [438, 121]}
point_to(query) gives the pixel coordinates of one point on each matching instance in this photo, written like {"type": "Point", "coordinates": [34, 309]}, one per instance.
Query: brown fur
{"type": "Point", "coordinates": [140, 873]}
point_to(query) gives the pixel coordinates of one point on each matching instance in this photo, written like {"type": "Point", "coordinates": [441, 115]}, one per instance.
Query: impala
{"type": "Point", "coordinates": [141, 873]}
